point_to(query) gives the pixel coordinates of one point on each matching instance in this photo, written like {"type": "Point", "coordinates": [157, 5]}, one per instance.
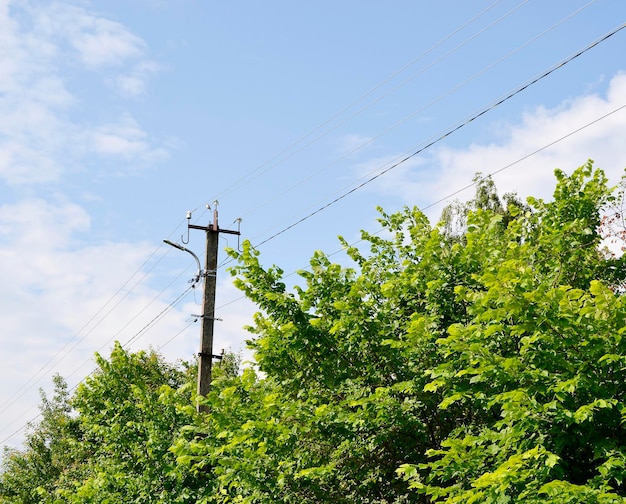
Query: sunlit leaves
{"type": "Point", "coordinates": [492, 346]}
{"type": "Point", "coordinates": [482, 360]}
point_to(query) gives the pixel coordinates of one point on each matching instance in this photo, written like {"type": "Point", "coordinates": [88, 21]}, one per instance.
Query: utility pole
{"type": "Point", "coordinates": [206, 355]}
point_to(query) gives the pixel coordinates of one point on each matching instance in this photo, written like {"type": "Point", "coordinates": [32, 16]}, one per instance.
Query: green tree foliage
{"type": "Point", "coordinates": [454, 216]}
{"type": "Point", "coordinates": [108, 442]}
{"type": "Point", "coordinates": [30, 474]}
{"type": "Point", "coordinates": [537, 365]}
{"type": "Point", "coordinates": [129, 415]}
{"type": "Point", "coordinates": [480, 360]}
{"type": "Point", "coordinates": [485, 369]}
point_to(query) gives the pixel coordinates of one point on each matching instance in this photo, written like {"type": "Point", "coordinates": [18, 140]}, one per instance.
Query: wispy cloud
{"type": "Point", "coordinates": [38, 129]}
{"type": "Point", "coordinates": [440, 172]}
{"type": "Point", "coordinates": [54, 277]}
{"type": "Point", "coordinates": [351, 143]}
{"type": "Point", "coordinates": [134, 82]}
{"type": "Point", "coordinates": [124, 139]}
{"type": "Point", "coordinates": [96, 41]}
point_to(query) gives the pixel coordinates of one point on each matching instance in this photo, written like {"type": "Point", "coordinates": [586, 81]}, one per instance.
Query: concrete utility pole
{"type": "Point", "coordinates": [206, 356]}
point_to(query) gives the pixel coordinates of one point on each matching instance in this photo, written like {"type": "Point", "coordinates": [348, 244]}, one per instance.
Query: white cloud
{"type": "Point", "coordinates": [97, 42]}
{"type": "Point", "coordinates": [352, 143]}
{"type": "Point", "coordinates": [101, 45]}
{"type": "Point", "coordinates": [53, 285]}
{"type": "Point", "coordinates": [38, 137]}
{"type": "Point", "coordinates": [443, 170]}
{"type": "Point", "coordinates": [133, 83]}
{"type": "Point", "coordinates": [53, 278]}
{"type": "Point", "coordinates": [124, 139]}
{"type": "Point", "coordinates": [61, 302]}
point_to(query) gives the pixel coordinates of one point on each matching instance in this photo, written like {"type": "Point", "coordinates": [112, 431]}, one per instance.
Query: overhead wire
{"type": "Point", "coordinates": [523, 158]}
{"type": "Point", "coordinates": [34, 380]}
{"type": "Point", "coordinates": [154, 299]}
{"type": "Point", "coordinates": [450, 131]}
{"type": "Point", "coordinates": [446, 132]}
{"type": "Point", "coordinates": [100, 310]}
{"type": "Point", "coordinates": [158, 317]}
{"type": "Point", "coordinates": [64, 352]}
{"type": "Point", "coordinates": [137, 314]}
{"type": "Point", "coordinates": [372, 90]}
{"type": "Point", "coordinates": [393, 166]}
{"type": "Point", "coordinates": [506, 167]}
{"type": "Point", "coordinates": [432, 204]}
{"type": "Point", "coordinates": [464, 188]}
{"type": "Point", "coordinates": [138, 334]}
{"type": "Point", "coordinates": [467, 121]}
{"type": "Point", "coordinates": [287, 152]}
{"type": "Point", "coordinates": [419, 110]}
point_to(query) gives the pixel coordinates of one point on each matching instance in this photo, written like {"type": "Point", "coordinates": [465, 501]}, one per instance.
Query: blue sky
{"type": "Point", "coordinates": [118, 117]}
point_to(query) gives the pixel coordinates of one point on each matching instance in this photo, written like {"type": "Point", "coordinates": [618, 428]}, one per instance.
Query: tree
{"type": "Point", "coordinates": [29, 475]}
{"type": "Point", "coordinates": [110, 440]}
{"type": "Point", "coordinates": [538, 363]}
{"type": "Point", "coordinates": [130, 410]}
{"type": "Point", "coordinates": [482, 368]}
{"type": "Point", "coordinates": [453, 222]}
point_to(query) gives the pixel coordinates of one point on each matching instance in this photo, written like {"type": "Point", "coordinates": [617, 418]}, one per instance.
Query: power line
{"type": "Point", "coordinates": [467, 121]}
{"type": "Point", "coordinates": [393, 166]}
{"type": "Point", "coordinates": [450, 131]}
{"type": "Point", "coordinates": [424, 107]}
{"type": "Point", "coordinates": [64, 352]}
{"type": "Point", "coordinates": [447, 197]}
{"type": "Point", "coordinates": [15, 397]}
{"type": "Point", "coordinates": [286, 154]}
{"type": "Point", "coordinates": [153, 321]}
{"type": "Point", "coordinates": [359, 99]}
{"type": "Point", "coordinates": [55, 358]}
{"type": "Point", "coordinates": [458, 191]}
{"type": "Point", "coordinates": [158, 316]}
{"type": "Point", "coordinates": [537, 151]}
{"type": "Point", "coordinates": [138, 334]}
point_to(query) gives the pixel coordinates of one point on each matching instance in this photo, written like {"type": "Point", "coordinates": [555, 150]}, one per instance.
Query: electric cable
{"type": "Point", "coordinates": [276, 159]}
{"type": "Point", "coordinates": [149, 325]}
{"type": "Point", "coordinates": [537, 151]}
{"type": "Point", "coordinates": [64, 352]}
{"type": "Point", "coordinates": [458, 46]}
{"type": "Point", "coordinates": [419, 110]}
{"type": "Point", "coordinates": [447, 197]}
{"type": "Point", "coordinates": [420, 150]}
{"type": "Point", "coordinates": [59, 356]}
{"type": "Point", "coordinates": [452, 130]}
{"type": "Point", "coordinates": [462, 189]}
{"type": "Point", "coordinates": [176, 335]}
{"type": "Point", "coordinates": [158, 317]}
{"type": "Point", "coordinates": [139, 333]}
{"type": "Point", "coordinates": [506, 167]}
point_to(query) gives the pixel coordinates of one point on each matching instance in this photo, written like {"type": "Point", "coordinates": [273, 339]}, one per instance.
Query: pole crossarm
{"type": "Point", "coordinates": [211, 229]}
